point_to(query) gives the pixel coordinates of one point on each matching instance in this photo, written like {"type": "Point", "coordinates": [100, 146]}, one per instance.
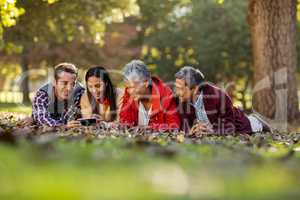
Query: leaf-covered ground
{"type": "Point", "coordinates": [103, 163]}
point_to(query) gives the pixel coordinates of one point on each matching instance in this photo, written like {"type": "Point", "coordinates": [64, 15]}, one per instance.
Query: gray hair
{"type": "Point", "coordinates": [191, 76]}
{"type": "Point", "coordinates": [136, 70]}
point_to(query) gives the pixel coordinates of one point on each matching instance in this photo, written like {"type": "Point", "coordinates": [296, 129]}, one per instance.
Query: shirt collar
{"type": "Point", "coordinates": [199, 100]}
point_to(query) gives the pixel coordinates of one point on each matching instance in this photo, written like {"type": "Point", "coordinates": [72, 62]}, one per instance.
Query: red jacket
{"type": "Point", "coordinates": [164, 113]}
{"type": "Point", "coordinates": [224, 117]}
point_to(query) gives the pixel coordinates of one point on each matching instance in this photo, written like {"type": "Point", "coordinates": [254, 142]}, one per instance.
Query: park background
{"type": "Point", "coordinates": [212, 35]}
{"type": "Point", "coordinates": [237, 44]}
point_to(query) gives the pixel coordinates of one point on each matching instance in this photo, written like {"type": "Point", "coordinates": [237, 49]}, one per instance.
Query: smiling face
{"type": "Point", "coordinates": [183, 92]}
{"type": "Point", "coordinates": [137, 89]}
{"type": "Point", "coordinates": [96, 87]}
{"type": "Point", "coordinates": [64, 85]}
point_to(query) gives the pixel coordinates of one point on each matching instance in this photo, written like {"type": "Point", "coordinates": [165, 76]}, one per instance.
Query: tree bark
{"type": "Point", "coordinates": [273, 32]}
{"type": "Point", "coordinates": [25, 79]}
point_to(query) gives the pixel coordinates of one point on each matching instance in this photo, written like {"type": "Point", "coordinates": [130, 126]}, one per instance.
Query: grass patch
{"type": "Point", "coordinates": [15, 108]}
{"type": "Point", "coordinates": [96, 163]}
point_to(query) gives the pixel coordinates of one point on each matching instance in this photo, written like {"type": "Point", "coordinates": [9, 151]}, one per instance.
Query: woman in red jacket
{"type": "Point", "coordinates": [147, 101]}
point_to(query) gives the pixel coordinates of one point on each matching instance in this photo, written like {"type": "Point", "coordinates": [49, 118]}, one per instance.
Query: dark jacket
{"type": "Point", "coordinates": [224, 117]}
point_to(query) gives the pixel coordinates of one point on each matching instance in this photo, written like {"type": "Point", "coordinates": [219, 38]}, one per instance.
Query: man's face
{"type": "Point", "coordinates": [64, 85]}
{"type": "Point", "coordinates": [183, 92]}
{"type": "Point", "coordinates": [137, 89]}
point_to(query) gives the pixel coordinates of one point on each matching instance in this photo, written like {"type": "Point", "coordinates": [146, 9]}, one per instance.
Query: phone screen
{"type": "Point", "coordinates": [88, 122]}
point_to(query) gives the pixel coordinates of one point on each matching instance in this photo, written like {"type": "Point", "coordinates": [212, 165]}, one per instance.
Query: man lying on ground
{"type": "Point", "coordinates": [57, 103]}
{"type": "Point", "coordinates": [213, 108]}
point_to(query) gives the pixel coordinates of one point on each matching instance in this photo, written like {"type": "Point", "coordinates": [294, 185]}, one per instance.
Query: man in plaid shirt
{"type": "Point", "coordinates": [58, 103]}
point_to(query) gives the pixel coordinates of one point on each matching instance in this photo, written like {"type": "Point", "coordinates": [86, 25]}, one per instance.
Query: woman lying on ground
{"type": "Point", "coordinates": [100, 99]}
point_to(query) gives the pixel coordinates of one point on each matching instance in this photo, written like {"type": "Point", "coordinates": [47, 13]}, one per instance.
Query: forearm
{"type": "Point", "coordinates": [43, 119]}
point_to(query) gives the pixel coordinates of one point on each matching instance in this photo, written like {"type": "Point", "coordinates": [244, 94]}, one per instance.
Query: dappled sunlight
{"type": "Point", "coordinates": [212, 110]}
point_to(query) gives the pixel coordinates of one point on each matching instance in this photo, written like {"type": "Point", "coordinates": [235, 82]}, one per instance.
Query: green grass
{"type": "Point", "coordinates": [160, 167]}
{"type": "Point", "coordinates": [15, 108]}
{"type": "Point", "coordinates": [125, 169]}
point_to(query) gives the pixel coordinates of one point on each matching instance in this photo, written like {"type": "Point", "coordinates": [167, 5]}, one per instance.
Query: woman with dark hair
{"type": "Point", "coordinates": [100, 99]}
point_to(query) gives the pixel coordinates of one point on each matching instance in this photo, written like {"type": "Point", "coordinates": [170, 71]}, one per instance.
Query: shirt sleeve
{"type": "Point", "coordinates": [40, 113]}
{"type": "Point", "coordinates": [227, 123]}
{"type": "Point", "coordinates": [171, 119]}
{"type": "Point", "coordinates": [128, 112]}
{"type": "Point", "coordinates": [172, 116]}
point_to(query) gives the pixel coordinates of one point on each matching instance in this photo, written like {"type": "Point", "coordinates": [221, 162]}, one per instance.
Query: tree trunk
{"type": "Point", "coordinates": [25, 79]}
{"type": "Point", "coordinates": [273, 32]}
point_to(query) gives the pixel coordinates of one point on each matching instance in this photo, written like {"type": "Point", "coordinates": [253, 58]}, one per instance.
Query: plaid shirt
{"type": "Point", "coordinates": [41, 111]}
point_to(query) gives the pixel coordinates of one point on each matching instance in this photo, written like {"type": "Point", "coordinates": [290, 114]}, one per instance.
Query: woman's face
{"type": "Point", "coordinates": [96, 87]}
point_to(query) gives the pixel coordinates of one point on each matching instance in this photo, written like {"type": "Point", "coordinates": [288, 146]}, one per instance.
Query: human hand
{"type": "Point", "coordinates": [200, 129]}
{"type": "Point", "coordinates": [73, 124]}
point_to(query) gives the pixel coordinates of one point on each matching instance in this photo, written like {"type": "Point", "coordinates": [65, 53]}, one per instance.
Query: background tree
{"type": "Point", "coordinates": [273, 29]}
{"type": "Point", "coordinates": [211, 35]}
{"type": "Point", "coordinates": [52, 31]}
{"type": "Point", "coordinates": [8, 14]}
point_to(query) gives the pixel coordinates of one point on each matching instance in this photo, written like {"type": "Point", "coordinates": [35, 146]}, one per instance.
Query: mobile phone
{"type": "Point", "coordinates": [88, 122]}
